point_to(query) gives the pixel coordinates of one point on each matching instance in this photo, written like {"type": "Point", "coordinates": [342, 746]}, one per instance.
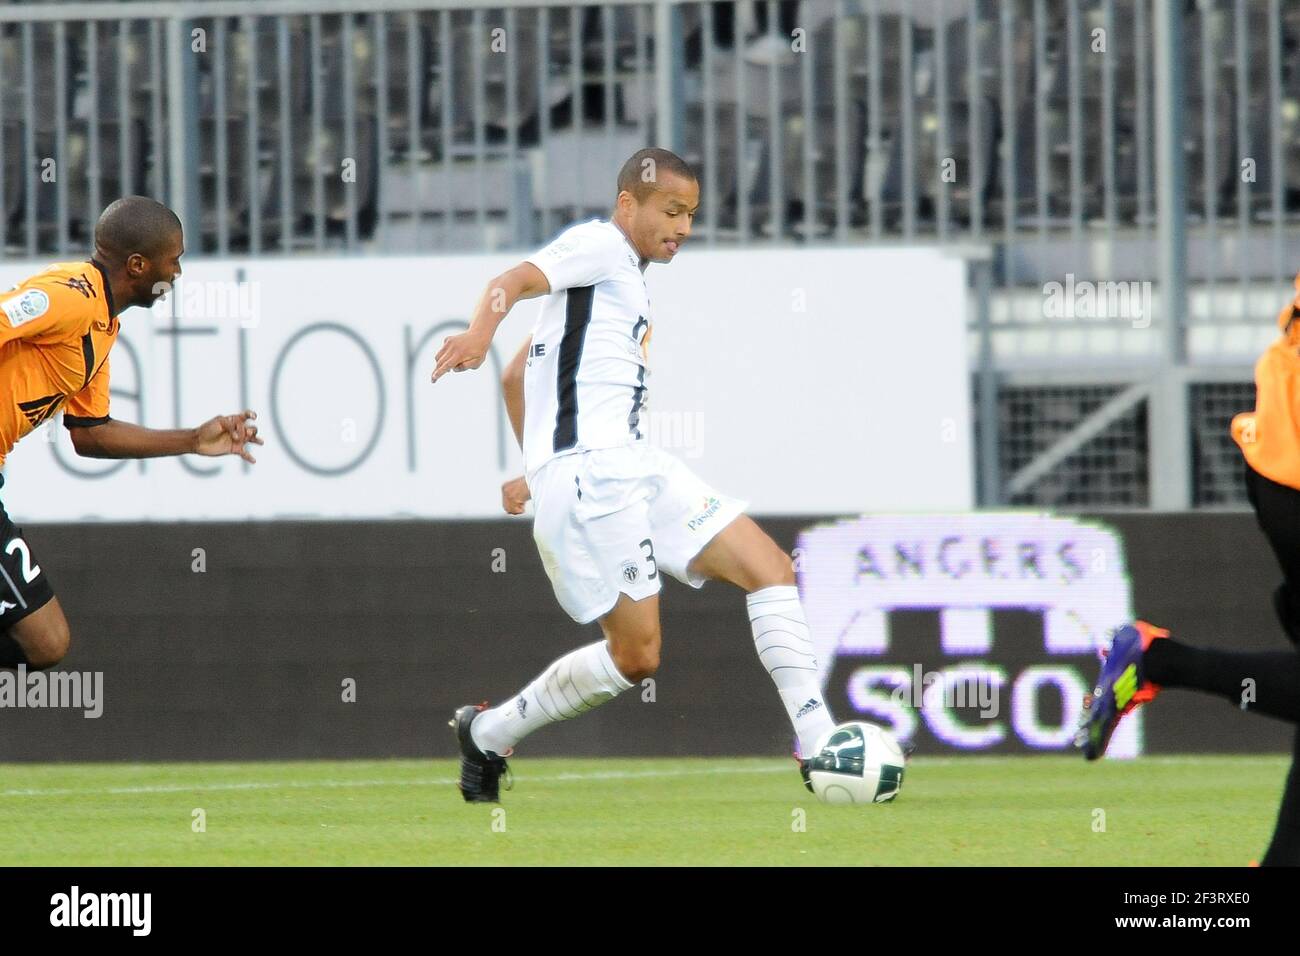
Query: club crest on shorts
{"type": "Point", "coordinates": [630, 571]}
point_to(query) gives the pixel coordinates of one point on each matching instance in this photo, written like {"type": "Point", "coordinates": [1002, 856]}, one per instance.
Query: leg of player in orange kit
{"type": "Point", "coordinates": [1263, 681]}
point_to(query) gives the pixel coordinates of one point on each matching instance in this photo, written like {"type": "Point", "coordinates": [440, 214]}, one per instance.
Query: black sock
{"type": "Point", "coordinates": [1284, 848]}
{"type": "Point", "coordinates": [11, 652]}
{"type": "Point", "coordinates": [1274, 675]}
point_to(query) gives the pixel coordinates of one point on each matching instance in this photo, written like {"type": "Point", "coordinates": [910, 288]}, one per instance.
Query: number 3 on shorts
{"type": "Point", "coordinates": [650, 556]}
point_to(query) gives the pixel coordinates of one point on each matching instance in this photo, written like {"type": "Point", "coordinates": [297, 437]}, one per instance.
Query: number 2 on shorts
{"type": "Point", "coordinates": [30, 571]}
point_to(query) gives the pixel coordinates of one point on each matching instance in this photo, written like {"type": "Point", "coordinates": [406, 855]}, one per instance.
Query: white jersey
{"type": "Point", "coordinates": [585, 383]}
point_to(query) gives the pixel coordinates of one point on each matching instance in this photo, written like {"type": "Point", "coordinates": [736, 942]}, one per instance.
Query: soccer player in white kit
{"type": "Point", "coordinates": [612, 512]}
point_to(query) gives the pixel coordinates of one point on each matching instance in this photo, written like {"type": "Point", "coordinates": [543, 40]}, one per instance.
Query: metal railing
{"type": "Point", "coordinates": [301, 124]}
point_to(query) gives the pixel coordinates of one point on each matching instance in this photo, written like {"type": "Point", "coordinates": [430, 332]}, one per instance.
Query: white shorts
{"type": "Point", "coordinates": [609, 521]}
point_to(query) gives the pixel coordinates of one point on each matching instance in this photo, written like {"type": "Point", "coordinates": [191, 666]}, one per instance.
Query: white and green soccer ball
{"type": "Point", "coordinates": [857, 763]}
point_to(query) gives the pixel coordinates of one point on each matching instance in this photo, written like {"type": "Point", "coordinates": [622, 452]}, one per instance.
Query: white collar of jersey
{"type": "Point", "coordinates": [641, 262]}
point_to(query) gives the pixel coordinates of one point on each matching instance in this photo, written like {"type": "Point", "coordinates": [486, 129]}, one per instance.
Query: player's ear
{"type": "Point", "coordinates": [136, 264]}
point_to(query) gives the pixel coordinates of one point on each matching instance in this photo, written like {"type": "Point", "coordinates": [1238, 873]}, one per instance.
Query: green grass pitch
{"type": "Point", "coordinates": [952, 811]}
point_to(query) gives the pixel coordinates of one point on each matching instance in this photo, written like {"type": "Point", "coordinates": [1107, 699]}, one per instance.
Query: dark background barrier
{"type": "Point", "coordinates": [246, 659]}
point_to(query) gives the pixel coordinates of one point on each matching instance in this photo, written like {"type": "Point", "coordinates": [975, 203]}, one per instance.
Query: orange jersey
{"type": "Point", "coordinates": [1269, 436]}
{"type": "Point", "coordinates": [56, 329]}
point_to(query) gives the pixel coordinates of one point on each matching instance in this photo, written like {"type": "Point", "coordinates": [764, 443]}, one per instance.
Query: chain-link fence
{"type": "Point", "coordinates": [1218, 473]}
{"type": "Point", "coordinates": [1109, 470]}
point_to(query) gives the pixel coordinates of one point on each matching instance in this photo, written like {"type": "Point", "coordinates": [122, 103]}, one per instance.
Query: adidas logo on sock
{"type": "Point", "coordinates": [808, 708]}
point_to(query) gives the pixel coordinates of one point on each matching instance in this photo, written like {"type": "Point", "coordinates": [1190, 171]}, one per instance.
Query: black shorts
{"type": "Point", "coordinates": [24, 584]}
{"type": "Point", "coordinates": [1277, 507]}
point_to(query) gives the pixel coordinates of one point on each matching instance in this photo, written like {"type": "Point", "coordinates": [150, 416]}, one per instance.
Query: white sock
{"type": "Point", "coordinates": [785, 649]}
{"type": "Point", "coordinates": [572, 685]}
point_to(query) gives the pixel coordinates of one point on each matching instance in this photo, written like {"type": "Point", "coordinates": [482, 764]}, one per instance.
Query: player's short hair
{"type": "Point", "coordinates": [640, 174]}
{"type": "Point", "coordinates": [135, 224]}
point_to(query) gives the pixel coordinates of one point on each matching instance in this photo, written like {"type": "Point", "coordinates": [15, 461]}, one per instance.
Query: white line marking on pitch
{"type": "Point", "coordinates": [553, 778]}
{"type": "Point", "coordinates": [327, 784]}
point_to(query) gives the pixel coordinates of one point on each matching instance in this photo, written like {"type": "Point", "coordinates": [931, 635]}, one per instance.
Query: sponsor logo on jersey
{"type": "Point", "coordinates": [81, 284]}
{"type": "Point", "coordinates": [32, 304]}
{"type": "Point", "coordinates": [711, 506]}
{"type": "Point", "coordinates": [630, 572]}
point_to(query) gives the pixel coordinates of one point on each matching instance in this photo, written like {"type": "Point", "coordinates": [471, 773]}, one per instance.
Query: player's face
{"type": "Point", "coordinates": [163, 269]}
{"type": "Point", "coordinates": [663, 221]}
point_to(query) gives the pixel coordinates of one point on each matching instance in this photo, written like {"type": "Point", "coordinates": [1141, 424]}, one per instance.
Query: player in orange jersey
{"type": "Point", "coordinates": [56, 330]}
{"type": "Point", "coordinates": [1143, 658]}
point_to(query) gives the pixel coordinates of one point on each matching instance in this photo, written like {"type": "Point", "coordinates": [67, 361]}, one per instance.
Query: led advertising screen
{"type": "Point", "coordinates": [971, 632]}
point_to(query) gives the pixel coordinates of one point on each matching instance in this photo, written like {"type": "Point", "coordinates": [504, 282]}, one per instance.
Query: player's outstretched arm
{"type": "Point", "coordinates": [512, 390]}
{"type": "Point", "coordinates": [223, 435]}
{"type": "Point", "coordinates": [460, 353]}
{"type": "Point", "coordinates": [515, 493]}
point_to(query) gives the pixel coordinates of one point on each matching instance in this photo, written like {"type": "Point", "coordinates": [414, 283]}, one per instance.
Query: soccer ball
{"type": "Point", "coordinates": [857, 763]}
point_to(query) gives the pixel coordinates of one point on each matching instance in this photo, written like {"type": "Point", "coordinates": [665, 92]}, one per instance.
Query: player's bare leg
{"type": "Point", "coordinates": [744, 555]}
{"type": "Point", "coordinates": [39, 640]}
{"type": "Point", "coordinates": [632, 631]}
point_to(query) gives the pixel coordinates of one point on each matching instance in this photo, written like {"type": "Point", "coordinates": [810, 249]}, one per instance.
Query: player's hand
{"type": "Point", "coordinates": [514, 495]}
{"type": "Point", "coordinates": [228, 435]}
{"type": "Point", "coordinates": [460, 353]}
